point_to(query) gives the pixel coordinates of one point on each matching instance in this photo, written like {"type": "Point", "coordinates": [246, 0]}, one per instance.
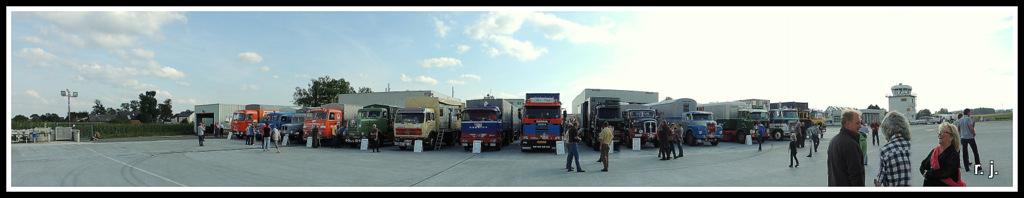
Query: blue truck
{"type": "Point", "coordinates": [698, 126]}
{"type": "Point", "coordinates": [488, 120]}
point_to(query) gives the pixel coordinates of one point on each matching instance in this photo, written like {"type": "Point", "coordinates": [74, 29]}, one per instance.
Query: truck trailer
{"type": "Point", "coordinates": [430, 119]}
{"type": "Point", "coordinates": [596, 111]}
{"type": "Point", "coordinates": [737, 119]}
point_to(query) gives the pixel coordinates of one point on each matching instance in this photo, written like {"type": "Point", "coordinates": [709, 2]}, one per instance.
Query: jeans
{"type": "Point", "coordinates": [874, 138]}
{"type": "Point", "coordinates": [266, 143]}
{"type": "Point", "coordinates": [574, 154]}
{"type": "Point", "coordinates": [201, 139]}
{"type": "Point", "coordinates": [964, 143]}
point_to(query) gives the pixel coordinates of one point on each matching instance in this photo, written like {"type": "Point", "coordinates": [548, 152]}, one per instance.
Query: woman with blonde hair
{"type": "Point", "coordinates": [894, 159]}
{"type": "Point", "coordinates": [942, 166]}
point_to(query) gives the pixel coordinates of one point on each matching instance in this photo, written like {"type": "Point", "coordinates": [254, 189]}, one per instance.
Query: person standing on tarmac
{"type": "Point", "coordinates": [200, 130]}
{"type": "Point", "coordinates": [315, 132]}
{"type": "Point", "coordinates": [677, 139]}
{"type": "Point", "coordinates": [266, 137]}
{"type": "Point", "coordinates": [574, 154]}
{"type": "Point", "coordinates": [760, 135]}
{"type": "Point", "coordinates": [375, 138]}
{"type": "Point", "coordinates": [606, 143]}
{"type": "Point", "coordinates": [663, 133]}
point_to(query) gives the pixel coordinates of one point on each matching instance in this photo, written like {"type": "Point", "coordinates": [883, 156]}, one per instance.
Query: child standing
{"type": "Point", "coordinates": [792, 150]}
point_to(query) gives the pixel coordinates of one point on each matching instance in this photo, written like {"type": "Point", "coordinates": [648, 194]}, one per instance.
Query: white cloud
{"type": "Point", "coordinates": [498, 27]}
{"type": "Point", "coordinates": [117, 76]}
{"type": "Point", "coordinates": [182, 83]}
{"type": "Point", "coordinates": [275, 76]}
{"type": "Point", "coordinates": [39, 57]}
{"type": "Point", "coordinates": [265, 69]}
{"type": "Point", "coordinates": [461, 48]}
{"type": "Point", "coordinates": [420, 79]}
{"type": "Point", "coordinates": [440, 62]}
{"type": "Point", "coordinates": [522, 50]}
{"type": "Point", "coordinates": [456, 82]}
{"type": "Point", "coordinates": [249, 57]}
{"type": "Point", "coordinates": [107, 29]}
{"type": "Point", "coordinates": [249, 87]}
{"type": "Point", "coordinates": [471, 76]}
{"type": "Point", "coordinates": [441, 28]}
{"type": "Point", "coordinates": [35, 95]}
{"type": "Point", "coordinates": [135, 54]}
{"type": "Point", "coordinates": [303, 76]}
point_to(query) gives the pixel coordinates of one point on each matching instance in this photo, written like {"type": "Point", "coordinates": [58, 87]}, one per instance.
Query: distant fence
{"type": "Point", "coordinates": [109, 130]}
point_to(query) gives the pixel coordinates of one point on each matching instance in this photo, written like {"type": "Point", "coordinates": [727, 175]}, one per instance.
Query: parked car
{"type": "Point", "coordinates": [920, 121]}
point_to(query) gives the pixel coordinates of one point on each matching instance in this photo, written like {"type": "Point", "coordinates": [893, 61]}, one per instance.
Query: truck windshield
{"type": "Point", "coordinates": [275, 118]}
{"type": "Point", "coordinates": [241, 116]}
{"type": "Point", "coordinates": [316, 116]}
{"type": "Point", "coordinates": [608, 113]}
{"type": "Point", "coordinates": [479, 115]}
{"type": "Point", "coordinates": [789, 114]}
{"type": "Point", "coordinates": [641, 114]}
{"type": "Point", "coordinates": [702, 117]}
{"type": "Point", "coordinates": [369, 114]}
{"type": "Point", "coordinates": [414, 118]}
{"type": "Point", "coordinates": [758, 115]}
{"type": "Point", "coordinates": [541, 112]}
{"type": "Point", "coordinates": [818, 115]}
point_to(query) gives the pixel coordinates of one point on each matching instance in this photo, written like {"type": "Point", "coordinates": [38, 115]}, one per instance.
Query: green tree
{"type": "Point", "coordinates": [924, 113]}
{"type": "Point", "coordinates": [19, 118]}
{"type": "Point", "coordinates": [667, 98]}
{"type": "Point", "coordinates": [148, 112]}
{"type": "Point", "coordinates": [365, 90]}
{"type": "Point", "coordinates": [942, 111]}
{"type": "Point", "coordinates": [98, 108]}
{"type": "Point", "coordinates": [165, 110]}
{"type": "Point", "coordinates": [321, 91]}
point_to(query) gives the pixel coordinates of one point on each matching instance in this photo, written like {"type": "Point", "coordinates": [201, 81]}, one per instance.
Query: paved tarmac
{"type": "Point", "coordinates": [178, 163]}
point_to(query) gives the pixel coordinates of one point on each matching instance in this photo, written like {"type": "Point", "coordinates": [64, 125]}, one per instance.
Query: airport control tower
{"type": "Point", "coordinates": [903, 101]}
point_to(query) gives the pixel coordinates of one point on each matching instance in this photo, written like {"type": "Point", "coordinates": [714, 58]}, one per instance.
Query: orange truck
{"type": "Point", "coordinates": [243, 118]}
{"type": "Point", "coordinates": [326, 118]}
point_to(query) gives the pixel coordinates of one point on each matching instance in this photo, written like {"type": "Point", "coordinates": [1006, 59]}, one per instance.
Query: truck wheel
{"type": "Point", "coordinates": [777, 135]}
{"type": "Point", "coordinates": [715, 143]}
{"type": "Point", "coordinates": [468, 148]}
{"type": "Point", "coordinates": [690, 140]}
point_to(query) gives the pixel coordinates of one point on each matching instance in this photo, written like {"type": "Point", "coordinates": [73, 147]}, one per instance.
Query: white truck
{"type": "Point", "coordinates": [430, 119]}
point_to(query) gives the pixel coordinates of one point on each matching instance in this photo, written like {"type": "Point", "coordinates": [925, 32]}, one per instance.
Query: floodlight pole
{"type": "Point", "coordinates": [67, 93]}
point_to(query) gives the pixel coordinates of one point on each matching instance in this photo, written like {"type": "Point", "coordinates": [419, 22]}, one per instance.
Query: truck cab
{"type": "Point", "coordinates": [700, 126]}
{"type": "Point", "coordinates": [782, 122]}
{"type": "Point", "coordinates": [241, 119]}
{"type": "Point", "coordinates": [643, 124]}
{"type": "Point", "coordinates": [482, 123]}
{"type": "Point", "coordinates": [381, 115]}
{"type": "Point", "coordinates": [415, 124]}
{"type": "Point", "coordinates": [324, 119]}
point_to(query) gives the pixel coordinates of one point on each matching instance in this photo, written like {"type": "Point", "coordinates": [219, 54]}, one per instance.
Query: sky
{"type": "Point", "coordinates": [953, 57]}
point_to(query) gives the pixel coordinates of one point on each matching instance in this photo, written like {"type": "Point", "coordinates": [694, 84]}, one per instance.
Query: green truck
{"type": "Point", "coordinates": [381, 115]}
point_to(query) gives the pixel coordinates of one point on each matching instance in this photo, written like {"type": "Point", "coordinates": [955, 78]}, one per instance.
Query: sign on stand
{"type": "Point", "coordinates": [559, 147]}
{"type": "Point", "coordinates": [636, 144]}
{"type": "Point", "coordinates": [364, 144]}
{"type": "Point", "coordinates": [476, 146]}
{"type": "Point", "coordinates": [417, 146]}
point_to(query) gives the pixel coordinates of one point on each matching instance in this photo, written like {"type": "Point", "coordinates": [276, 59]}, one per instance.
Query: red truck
{"type": "Point", "coordinates": [243, 118]}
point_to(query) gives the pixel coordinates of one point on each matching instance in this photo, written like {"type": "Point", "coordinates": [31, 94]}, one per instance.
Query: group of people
{"type": "Point", "coordinates": [796, 143]}
{"type": "Point", "coordinates": [573, 139]}
{"type": "Point", "coordinates": [940, 167]}
{"type": "Point", "coordinates": [669, 141]}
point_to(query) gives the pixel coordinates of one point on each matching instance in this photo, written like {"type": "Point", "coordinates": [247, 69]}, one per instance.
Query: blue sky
{"type": "Point", "coordinates": [826, 56]}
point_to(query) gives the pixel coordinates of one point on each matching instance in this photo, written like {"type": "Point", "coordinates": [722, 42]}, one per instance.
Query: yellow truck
{"type": "Point", "coordinates": [430, 119]}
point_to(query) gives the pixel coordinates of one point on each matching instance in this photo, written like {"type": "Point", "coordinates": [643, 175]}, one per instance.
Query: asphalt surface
{"type": "Point", "coordinates": [178, 163]}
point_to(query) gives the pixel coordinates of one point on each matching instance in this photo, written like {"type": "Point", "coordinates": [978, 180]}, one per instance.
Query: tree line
{"type": "Point", "coordinates": [145, 110]}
